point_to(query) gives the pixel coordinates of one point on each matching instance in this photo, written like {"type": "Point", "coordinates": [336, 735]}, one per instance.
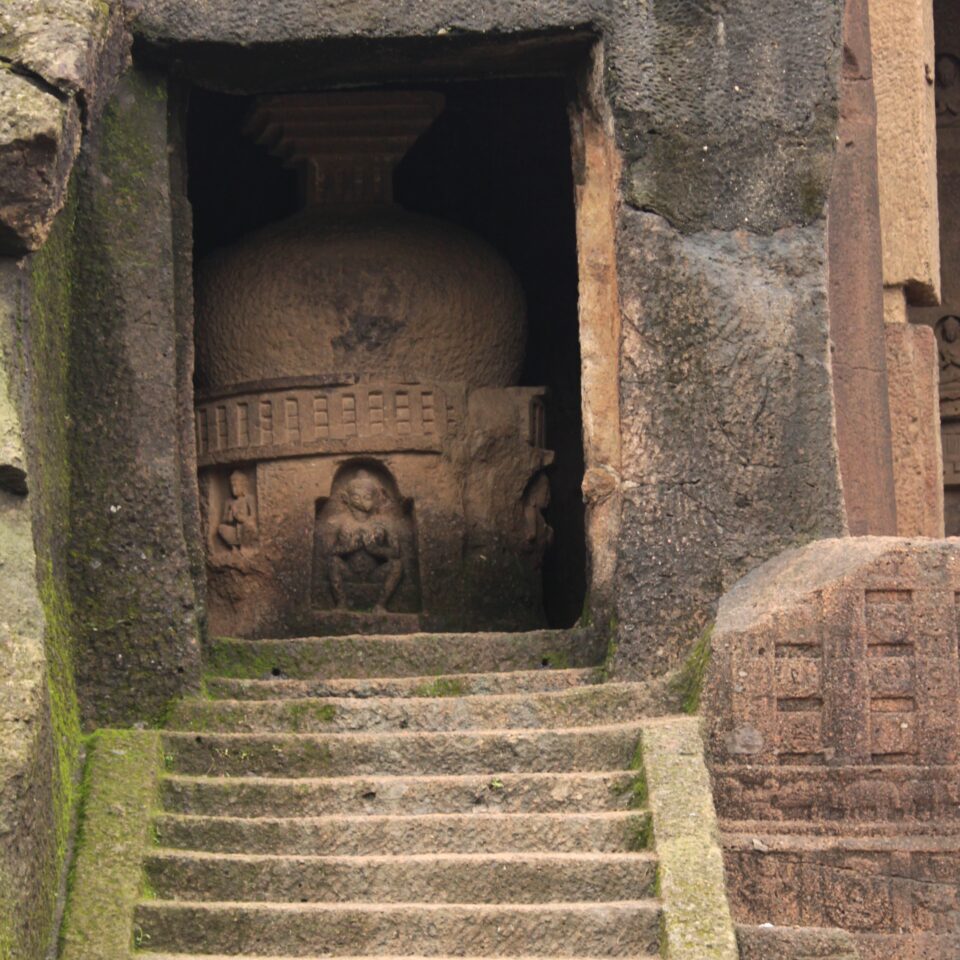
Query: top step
{"type": "Point", "coordinates": [404, 655]}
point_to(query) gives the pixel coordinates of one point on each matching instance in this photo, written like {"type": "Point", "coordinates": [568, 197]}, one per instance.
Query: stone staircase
{"type": "Point", "coordinates": [427, 795]}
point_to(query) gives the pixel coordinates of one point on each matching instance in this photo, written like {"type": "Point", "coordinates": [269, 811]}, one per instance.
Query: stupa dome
{"type": "Point", "coordinates": [353, 284]}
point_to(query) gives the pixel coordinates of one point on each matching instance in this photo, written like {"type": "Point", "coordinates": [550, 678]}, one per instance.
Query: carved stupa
{"type": "Point", "coordinates": [357, 368]}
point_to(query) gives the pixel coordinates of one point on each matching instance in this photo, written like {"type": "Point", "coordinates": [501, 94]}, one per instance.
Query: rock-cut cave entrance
{"type": "Point", "coordinates": [388, 381]}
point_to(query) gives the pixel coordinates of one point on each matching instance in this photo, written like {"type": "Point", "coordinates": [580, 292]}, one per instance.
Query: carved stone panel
{"type": "Point", "coordinates": [233, 530]}
{"type": "Point", "coordinates": [365, 552]}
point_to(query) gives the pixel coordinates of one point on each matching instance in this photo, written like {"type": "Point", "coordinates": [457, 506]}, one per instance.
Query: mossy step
{"type": "Point", "coordinates": [444, 685]}
{"type": "Point", "coordinates": [463, 793]}
{"type": "Point", "coordinates": [366, 835]}
{"type": "Point", "coordinates": [422, 878]}
{"type": "Point", "coordinates": [377, 929]}
{"type": "Point", "coordinates": [471, 751]}
{"type": "Point", "coordinates": [409, 655]}
{"type": "Point", "coordinates": [603, 704]}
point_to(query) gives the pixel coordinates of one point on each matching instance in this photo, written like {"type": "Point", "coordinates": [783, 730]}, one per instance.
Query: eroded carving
{"type": "Point", "coordinates": [947, 330]}
{"type": "Point", "coordinates": [947, 89]}
{"type": "Point", "coordinates": [364, 543]}
{"type": "Point", "coordinates": [538, 534]}
{"type": "Point", "coordinates": [238, 521]}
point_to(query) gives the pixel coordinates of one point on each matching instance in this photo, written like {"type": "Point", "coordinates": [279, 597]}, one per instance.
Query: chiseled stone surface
{"type": "Point", "coordinates": [794, 943]}
{"type": "Point", "coordinates": [901, 33]}
{"type": "Point", "coordinates": [855, 302]}
{"type": "Point", "coordinates": [728, 446]}
{"type": "Point", "coordinates": [29, 771]}
{"type": "Point", "coordinates": [104, 297]}
{"type": "Point", "coordinates": [912, 372]}
{"type": "Point", "coordinates": [834, 737]}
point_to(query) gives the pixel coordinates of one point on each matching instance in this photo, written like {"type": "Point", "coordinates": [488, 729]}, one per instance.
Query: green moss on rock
{"type": "Point", "coordinates": [687, 685]}
{"type": "Point", "coordinates": [121, 784]}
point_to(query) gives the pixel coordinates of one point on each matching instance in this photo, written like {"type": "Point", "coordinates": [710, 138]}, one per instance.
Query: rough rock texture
{"type": "Point", "coordinates": [100, 341]}
{"type": "Point", "coordinates": [725, 121]}
{"type": "Point", "coordinates": [913, 379]}
{"type": "Point", "coordinates": [901, 33]}
{"type": "Point", "coordinates": [39, 139]}
{"type": "Point", "coordinates": [50, 67]}
{"type": "Point", "coordinates": [39, 730]}
{"type": "Point", "coordinates": [727, 442]}
{"type": "Point", "coordinates": [834, 735]}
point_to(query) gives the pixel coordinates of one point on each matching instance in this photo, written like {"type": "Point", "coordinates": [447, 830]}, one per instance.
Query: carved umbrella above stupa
{"type": "Point", "coordinates": [357, 413]}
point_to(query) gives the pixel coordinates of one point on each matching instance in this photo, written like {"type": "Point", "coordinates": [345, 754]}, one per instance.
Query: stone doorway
{"type": "Point", "coordinates": [497, 548]}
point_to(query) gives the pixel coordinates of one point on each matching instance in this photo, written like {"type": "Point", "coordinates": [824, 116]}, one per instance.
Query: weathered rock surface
{"type": "Point", "coordinates": [49, 72]}
{"type": "Point", "coordinates": [39, 140]}
{"type": "Point", "coordinates": [728, 448]}
{"type": "Point", "coordinates": [39, 732]}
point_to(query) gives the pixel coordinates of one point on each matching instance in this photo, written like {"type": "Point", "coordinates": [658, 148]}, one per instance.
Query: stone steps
{"type": "Point", "coordinates": [541, 680]}
{"type": "Point", "coordinates": [622, 928]}
{"type": "Point", "coordinates": [407, 655]}
{"type": "Point", "coordinates": [604, 704]}
{"type": "Point", "coordinates": [411, 796]}
{"type": "Point", "coordinates": [464, 793]}
{"type": "Point", "coordinates": [423, 878]}
{"type": "Point", "coordinates": [366, 835]}
{"type": "Point", "coordinates": [472, 751]}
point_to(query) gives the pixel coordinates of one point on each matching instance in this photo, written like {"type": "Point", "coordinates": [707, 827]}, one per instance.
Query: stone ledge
{"type": "Point", "coordinates": [696, 917]}
{"type": "Point", "coordinates": [121, 789]}
{"type": "Point", "coordinates": [795, 943]}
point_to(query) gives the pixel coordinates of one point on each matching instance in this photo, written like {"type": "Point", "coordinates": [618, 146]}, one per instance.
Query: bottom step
{"type": "Point", "coordinates": [146, 955]}
{"type": "Point", "coordinates": [378, 929]}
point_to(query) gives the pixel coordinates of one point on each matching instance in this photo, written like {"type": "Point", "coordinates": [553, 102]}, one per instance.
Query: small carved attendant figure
{"type": "Point", "coordinates": [947, 89]}
{"type": "Point", "coordinates": [538, 534]}
{"type": "Point", "coordinates": [948, 343]}
{"type": "Point", "coordinates": [361, 536]}
{"type": "Point", "coordinates": [238, 527]}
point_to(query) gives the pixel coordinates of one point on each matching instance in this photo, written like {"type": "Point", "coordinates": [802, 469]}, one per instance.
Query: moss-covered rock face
{"type": "Point", "coordinates": [39, 723]}
{"type": "Point", "coordinates": [101, 346]}
{"type": "Point", "coordinates": [121, 783]}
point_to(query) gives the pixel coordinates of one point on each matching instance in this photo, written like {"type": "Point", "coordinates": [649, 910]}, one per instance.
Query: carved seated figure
{"type": "Point", "coordinates": [538, 534]}
{"type": "Point", "coordinates": [363, 541]}
{"type": "Point", "coordinates": [238, 527]}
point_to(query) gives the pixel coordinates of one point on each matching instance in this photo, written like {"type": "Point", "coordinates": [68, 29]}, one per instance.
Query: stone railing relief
{"type": "Point", "coordinates": [360, 418]}
{"type": "Point", "coordinates": [947, 87]}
